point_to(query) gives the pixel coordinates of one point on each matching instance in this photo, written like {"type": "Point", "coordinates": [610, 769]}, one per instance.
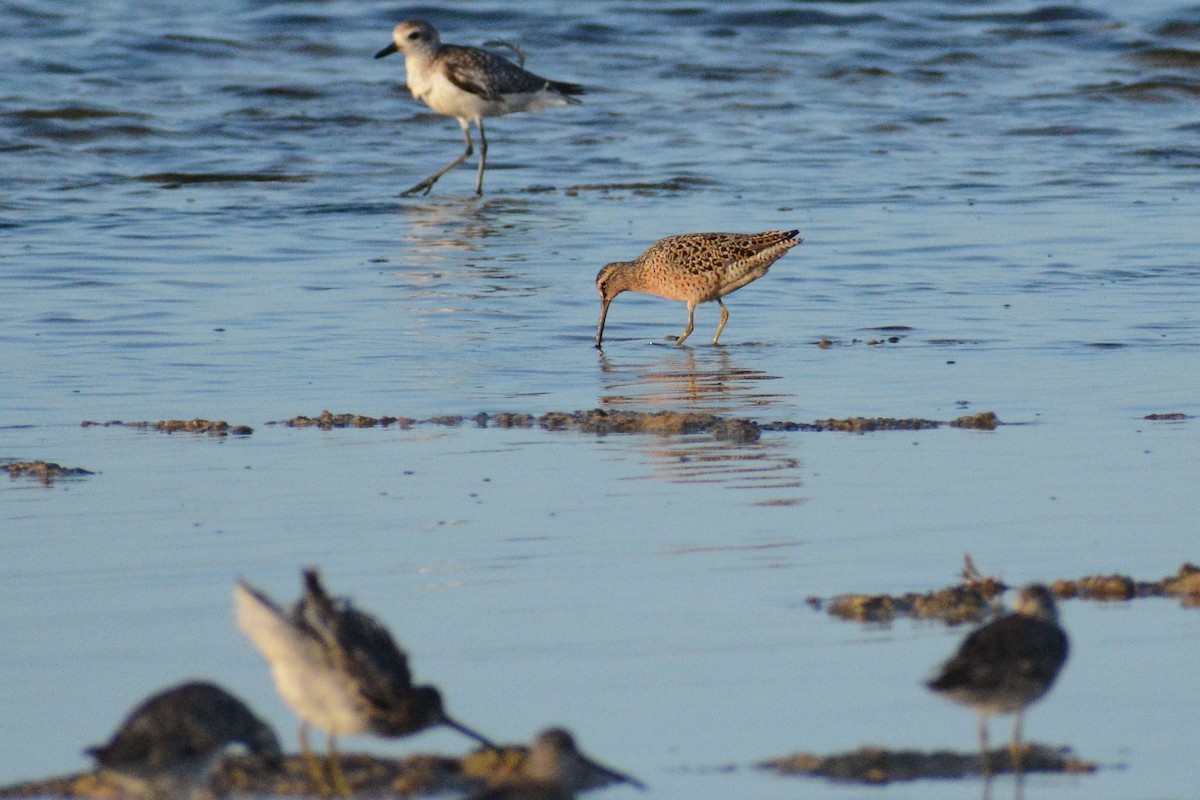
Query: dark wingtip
{"type": "Point", "coordinates": [312, 582]}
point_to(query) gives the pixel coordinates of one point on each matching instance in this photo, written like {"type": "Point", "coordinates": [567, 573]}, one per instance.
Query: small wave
{"type": "Point", "coordinates": [1156, 90]}
{"type": "Point", "coordinates": [1167, 58]}
{"type": "Point", "coordinates": [175, 179]}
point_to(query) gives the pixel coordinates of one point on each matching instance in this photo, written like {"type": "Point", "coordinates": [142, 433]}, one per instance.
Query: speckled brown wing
{"type": "Point", "coordinates": [698, 253]}
{"type": "Point", "coordinates": [486, 74]}
{"type": "Point", "coordinates": [723, 262]}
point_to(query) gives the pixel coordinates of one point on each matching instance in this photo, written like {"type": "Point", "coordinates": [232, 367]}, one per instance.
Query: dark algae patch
{"type": "Point", "coordinates": [878, 765]}
{"type": "Point", "coordinates": [601, 422]}
{"type": "Point", "coordinates": [212, 427]}
{"type": "Point", "coordinates": [597, 421]}
{"type": "Point", "coordinates": [973, 600]}
{"type": "Point", "coordinates": [244, 775]}
{"type": "Point", "coordinates": [44, 471]}
{"type": "Point", "coordinates": [367, 775]}
{"type": "Point", "coordinates": [977, 597]}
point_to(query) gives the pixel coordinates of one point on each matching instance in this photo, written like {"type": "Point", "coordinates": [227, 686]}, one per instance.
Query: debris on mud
{"type": "Point", "coordinates": [198, 425]}
{"type": "Point", "coordinates": [601, 422]}
{"type": "Point", "coordinates": [1185, 585]}
{"type": "Point", "coordinates": [877, 765]}
{"type": "Point", "coordinates": [973, 600]}
{"type": "Point", "coordinates": [367, 775]}
{"type": "Point", "coordinates": [46, 472]}
{"type": "Point", "coordinates": [245, 775]}
{"type": "Point", "coordinates": [977, 597]}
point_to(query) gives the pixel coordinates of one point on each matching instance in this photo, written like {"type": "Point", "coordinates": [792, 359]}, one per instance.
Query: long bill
{"type": "Point", "coordinates": [603, 313]}
{"type": "Point", "coordinates": [614, 775]}
{"type": "Point", "coordinates": [465, 731]}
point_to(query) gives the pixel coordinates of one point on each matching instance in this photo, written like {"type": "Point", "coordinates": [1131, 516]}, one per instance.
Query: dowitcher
{"type": "Point", "coordinates": [340, 670]}
{"type": "Point", "coordinates": [468, 83]}
{"type": "Point", "coordinates": [168, 745]}
{"type": "Point", "coordinates": [1007, 664]}
{"type": "Point", "coordinates": [694, 268]}
{"type": "Point", "coordinates": [555, 769]}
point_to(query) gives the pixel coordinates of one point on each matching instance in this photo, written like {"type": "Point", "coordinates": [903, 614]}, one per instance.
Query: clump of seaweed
{"type": "Point", "coordinates": [878, 765]}
{"type": "Point", "coordinates": [973, 600]}
{"type": "Point", "coordinates": [1184, 584]}
{"type": "Point", "coordinates": [46, 472]}
{"type": "Point", "coordinates": [218, 427]}
{"type": "Point", "coordinates": [976, 598]}
{"type": "Point", "coordinates": [601, 422]}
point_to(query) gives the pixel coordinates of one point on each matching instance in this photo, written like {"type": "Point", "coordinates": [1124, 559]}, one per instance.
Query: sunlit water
{"type": "Point", "coordinates": [199, 216]}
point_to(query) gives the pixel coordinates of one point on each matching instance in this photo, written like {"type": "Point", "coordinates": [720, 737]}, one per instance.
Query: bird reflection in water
{"type": "Point", "coordinates": [711, 384]}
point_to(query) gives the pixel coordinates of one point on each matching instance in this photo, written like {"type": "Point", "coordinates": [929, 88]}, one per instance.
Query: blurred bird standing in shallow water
{"type": "Point", "coordinates": [1006, 665]}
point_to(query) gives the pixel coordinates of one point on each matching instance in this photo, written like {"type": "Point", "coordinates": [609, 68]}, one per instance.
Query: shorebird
{"type": "Point", "coordinates": [554, 769]}
{"type": "Point", "coordinates": [168, 745]}
{"type": "Point", "coordinates": [694, 268]}
{"type": "Point", "coordinates": [340, 670]}
{"type": "Point", "coordinates": [1007, 664]}
{"type": "Point", "coordinates": [468, 83]}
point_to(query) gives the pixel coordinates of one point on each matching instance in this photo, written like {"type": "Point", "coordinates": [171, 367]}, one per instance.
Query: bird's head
{"type": "Point", "coordinates": [412, 37]}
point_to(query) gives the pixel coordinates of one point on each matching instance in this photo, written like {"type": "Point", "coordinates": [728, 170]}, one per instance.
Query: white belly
{"type": "Point", "coordinates": [317, 693]}
{"type": "Point", "coordinates": [437, 91]}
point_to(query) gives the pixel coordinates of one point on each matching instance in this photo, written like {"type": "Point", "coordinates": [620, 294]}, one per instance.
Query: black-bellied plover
{"type": "Point", "coordinates": [694, 268]}
{"type": "Point", "coordinates": [468, 83]}
{"type": "Point", "coordinates": [168, 745]}
{"type": "Point", "coordinates": [340, 670]}
{"type": "Point", "coordinates": [1007, 664]}
{"type": "Point", "coordinates": [556, 770]}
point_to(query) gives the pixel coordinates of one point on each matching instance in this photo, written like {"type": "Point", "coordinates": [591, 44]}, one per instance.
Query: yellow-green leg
{"type": "Point", "coordinates": [341, 786]}
{"type": "Point", "coordinates": [984, 767]}
{"type": "Point", "coordinates": [724, 319]}
{"type": "Point", "coordinates": [1016, 744]}
{"type": "Point", "coordinates": [691, 323]}
{"type": "Point", "coordinates": [315, 773]}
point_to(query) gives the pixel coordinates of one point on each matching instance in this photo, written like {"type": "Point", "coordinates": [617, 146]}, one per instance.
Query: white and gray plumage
{"type": "Point", "coordinates": [1007, 664]}
{"type": "Point", "coordinates": [555, 769]}
{"type": "Point", "coordinates": [339, 669]}
{"type": "Point", "coordinates": [468, 83]}
{"type": "Point", "coordinates": [168, 745]}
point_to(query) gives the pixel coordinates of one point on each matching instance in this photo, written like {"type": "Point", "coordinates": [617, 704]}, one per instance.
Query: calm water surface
{"type": "Point", "coordinates": [199, 216]}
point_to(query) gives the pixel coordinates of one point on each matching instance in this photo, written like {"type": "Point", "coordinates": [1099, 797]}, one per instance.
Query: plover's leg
{"type": "Point", "coordinates": [482, 157]}
{"type": "Point", "coordinates": [428, 183]}
{"type": "Point", "coordinates": [315, 773]}
{"type": "Point", "coordinates": [724, 319]}
{"type": "Point", "coordinates": [691, 323]}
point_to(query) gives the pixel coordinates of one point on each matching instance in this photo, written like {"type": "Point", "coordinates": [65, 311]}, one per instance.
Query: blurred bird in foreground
{"type": "Point", "coordinates": [1004, 666]}
{"type": "Point", "coordinates": [553, 769]}
{"type": "Point", "coordinates": [167, 747]}
{"type": "Point", "coordinates": [340, 670]}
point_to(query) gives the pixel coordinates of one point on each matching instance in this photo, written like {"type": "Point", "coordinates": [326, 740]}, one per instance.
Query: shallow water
{"type": "Point", "coordinates": [199, 217]}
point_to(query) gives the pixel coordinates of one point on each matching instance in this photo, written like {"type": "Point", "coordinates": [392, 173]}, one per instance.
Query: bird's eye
{"type": "Point", "coordinates": [415, 35]}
